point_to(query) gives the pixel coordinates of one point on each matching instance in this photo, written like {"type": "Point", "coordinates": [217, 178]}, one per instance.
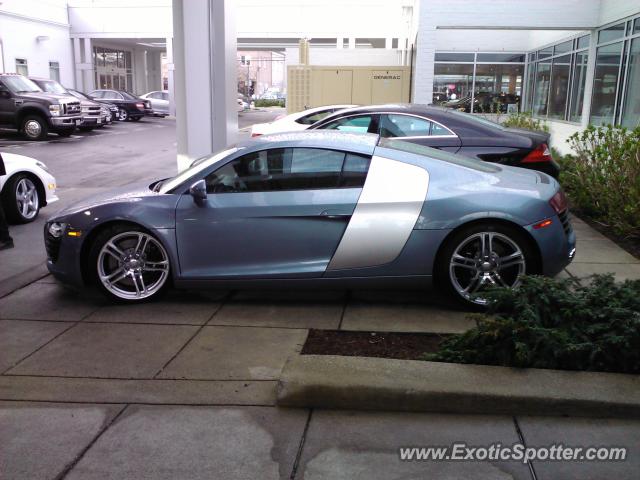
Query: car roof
{"type": "Point", "coordinates": [331, 139]}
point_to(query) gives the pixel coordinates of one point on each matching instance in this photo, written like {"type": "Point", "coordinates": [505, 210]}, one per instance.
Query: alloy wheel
{"type": "Point", "coordinates": [484, 259]}
{"type": "Point", "coordinates": [27, 199]}
{"type": "Point", "coordinates": [122, 115]}
{"type": "Point", "coordinates": [133, 265]}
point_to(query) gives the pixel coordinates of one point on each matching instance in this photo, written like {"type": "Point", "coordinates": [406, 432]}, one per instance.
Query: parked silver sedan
{"type": "Point", "coordinates": [159, 102]}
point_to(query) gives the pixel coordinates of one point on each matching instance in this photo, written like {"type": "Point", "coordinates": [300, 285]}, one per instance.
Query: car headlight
{"type": "Point", "coordinates": [55, 110]}
{"type": "Point", "coordinates": [42, 166]}
{"type": "Point", "coordinates": [56, 229]}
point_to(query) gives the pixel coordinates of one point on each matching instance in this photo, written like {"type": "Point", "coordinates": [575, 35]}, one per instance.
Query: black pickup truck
{"type": "Point", "coordinates": [26, 108]}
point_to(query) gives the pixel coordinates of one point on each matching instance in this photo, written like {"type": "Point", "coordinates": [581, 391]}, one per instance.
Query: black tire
{"type": "Point", "coordinates": [34, 127]}
{"type": "Point", "coordinates": [123, 115]}
{"type": "Point", "coordinates": [10, 202]}
{"type": "Point", "coordinates": [94, 254]}
{"type": "Point", "coordinates": [443, 271]}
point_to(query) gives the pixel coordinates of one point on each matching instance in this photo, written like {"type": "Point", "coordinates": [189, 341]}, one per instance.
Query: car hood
{"type": "Point", "coordinates": [133, 192]}
{"type": "Point", "coordinates": [13, 160]}
{"type": "Point", "coordinates": [47, 96]}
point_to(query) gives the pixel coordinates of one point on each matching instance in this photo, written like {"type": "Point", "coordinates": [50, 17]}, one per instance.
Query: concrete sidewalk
{"type": "Point", "coordinates": [185, 388]}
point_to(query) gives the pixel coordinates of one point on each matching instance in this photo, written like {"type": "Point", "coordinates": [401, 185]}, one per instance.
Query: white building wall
{"type": "Point", "coordinates": [20, 27]}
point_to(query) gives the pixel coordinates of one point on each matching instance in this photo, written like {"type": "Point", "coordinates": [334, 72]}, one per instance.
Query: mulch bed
{"type": "Point", "coordinates": [403, 346]}
{"type": "Point", "coordinates": [631, 245]}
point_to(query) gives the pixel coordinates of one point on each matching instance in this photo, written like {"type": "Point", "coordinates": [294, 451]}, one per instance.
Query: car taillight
{"type": "Point", "coordinates": [140, 106]}
{"type": "Point", "coordinates": [255, 135]}
{"type": "Point", "coordinates": [559, 202]}
{"type": "Point", "coordinates": [540, 154]}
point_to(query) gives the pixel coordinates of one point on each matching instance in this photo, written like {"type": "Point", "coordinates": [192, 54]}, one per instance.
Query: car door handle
{"type": "Point", "coordinates": [335, 215]}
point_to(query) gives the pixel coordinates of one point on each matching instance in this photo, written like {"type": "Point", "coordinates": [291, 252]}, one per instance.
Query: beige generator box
{"type": "Point", "coordinates": [311, 86]}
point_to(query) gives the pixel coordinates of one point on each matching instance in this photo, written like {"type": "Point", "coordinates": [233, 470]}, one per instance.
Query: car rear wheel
{"type": "Point", "coordinates": [129, 264]}
{"type": "Point", "coordinates": [482, 256]}
{"type": "Point", "coordinates": [123, 115]}
{"type": "Point", "coordinates": [34, 127]}
{"type": "Point", "coordinates": [20, 199]}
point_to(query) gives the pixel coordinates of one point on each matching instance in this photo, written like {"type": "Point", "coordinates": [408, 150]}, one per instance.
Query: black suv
{"type": "Point", "coordinates": [25, 107]}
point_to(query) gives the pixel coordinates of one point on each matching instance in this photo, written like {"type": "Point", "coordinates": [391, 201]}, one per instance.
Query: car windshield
{"type": "Point", "coordinates": [52, 87]}
{"type": "Point", "coordinates": [77, 94]}
{"type": "Point", "coordinates": [128, 96]}
{"type": "Point", "coordinates": [20, 84]}
{"type": "Point", "coordinates": [410, 147]}
{"type": "Point", "coordinates": [196, 167]}
{"type": "Point", "coordinates": [478, 119]}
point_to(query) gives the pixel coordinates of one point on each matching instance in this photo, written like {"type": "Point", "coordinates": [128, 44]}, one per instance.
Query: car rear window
{"type": "Point", "coordinates": [410, 147]}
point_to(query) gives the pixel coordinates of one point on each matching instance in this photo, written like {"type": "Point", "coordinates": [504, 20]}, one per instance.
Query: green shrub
{"type": "Point", "coordinates": [559, 324]}
{"type": "Point", "coordinates": [269, 103]}
{"type": "Point", "coordinates": [525, 120]}
{"type": "Point", "coordinates": [602, 178]}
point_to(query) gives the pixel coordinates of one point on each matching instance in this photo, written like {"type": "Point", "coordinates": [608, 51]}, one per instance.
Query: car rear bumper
{"type": "Point", "coordinates": [557, 244]}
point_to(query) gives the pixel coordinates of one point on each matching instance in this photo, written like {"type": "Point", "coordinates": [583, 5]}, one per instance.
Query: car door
{"type": "Point", "coordinates": [423, 131]}
{"type": "Point", "coordinates": [7, 105]}
{"type": "Point", "coordinates": [278, 212]}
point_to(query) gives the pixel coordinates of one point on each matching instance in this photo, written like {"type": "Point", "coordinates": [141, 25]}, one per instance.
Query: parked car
{"type": "Point", "coordinates": [25, 107]}
{"type": "Point", "coordinates": [296, 121]}
{"type": "Point", "coordinates": [108, 111]}
{"type": "Point", "coordinates": [159, 102]}
{"type": "Point", "coordinates": [26, 188]}
{"type": "Point", "coordinates": [318, 209]}
{"type": "Point", "coordinates": [450, 130]}
{"type": "Point", "coordinates": [91, 111]}
{"type": "Point", "coordinates": [129, 106]}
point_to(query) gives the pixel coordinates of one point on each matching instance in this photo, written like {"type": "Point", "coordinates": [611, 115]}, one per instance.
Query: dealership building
{"type": "Point", "coordinates": [569, 62]}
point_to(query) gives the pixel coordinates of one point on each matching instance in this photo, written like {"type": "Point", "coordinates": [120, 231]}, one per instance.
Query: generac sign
{"type": "Point", "coordinates": [386, 77]}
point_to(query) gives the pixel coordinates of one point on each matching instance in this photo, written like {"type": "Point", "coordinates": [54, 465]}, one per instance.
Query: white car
{"type": "Point", "coordinates": [26, 188]}
{"type": "Point", "coordinates": [296, 121]}
{"type": "Point", "coordinates": [159, 100]}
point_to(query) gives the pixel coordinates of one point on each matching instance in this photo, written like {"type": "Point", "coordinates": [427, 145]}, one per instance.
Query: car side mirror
{"type": "Point", "coordinates": [199, 192]}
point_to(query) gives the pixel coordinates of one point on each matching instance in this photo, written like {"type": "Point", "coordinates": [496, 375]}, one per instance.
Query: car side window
{"type": "Point", "coordinates": [282, 169]}
{"type": "Point", "coordinates": [313, 117]}
{"type": "Point", "coordinates": [165, 96]}
{"type": "Point", "coordinates": [437, 129]}
{"type": "Point", "coordinates": [109, 95]}
{"type": "Point", "coordinates": [354, 172]}
{"type": "Point", "coordinates": [404, 126]}
{"type": "Point", "coordinates": [358, 124]}
{"type": "Point", "coordinates": [97, 94]}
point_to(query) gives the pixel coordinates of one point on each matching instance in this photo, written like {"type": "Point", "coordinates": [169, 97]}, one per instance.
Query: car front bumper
{"type": "Point", "coordinates": [65, 122]}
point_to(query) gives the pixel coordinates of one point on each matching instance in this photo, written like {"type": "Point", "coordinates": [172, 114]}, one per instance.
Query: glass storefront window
{"type": "Point", "coordinates": [541, 92]}
{"type": "Point", "coordinates": [605, 83]}
{"type": "Point", "coordinates": [577, 88]}
{"type": "Point", "coordinates": [631, 107]}
{"type": "Point", "coordinates": [545, 53]}
{"type": "Point", "coordinates": [636, 26]}
{"type": "Point", "coordinates": [563, 47]}
{"type": "Point", "coordinates": [583, 42]}
{"type": "Point", "coordinates": [454, 57]}
{"type": "Point", "coordinates": [611, 33]}
{"type": "Point", "coordinates": [501, 57]}
{"type": "Point", "coordinates": [498, 88]}
{"type": "Point", "coordinates": [452, 82]}
{"type": "Point", "coordinates": [559, 87]}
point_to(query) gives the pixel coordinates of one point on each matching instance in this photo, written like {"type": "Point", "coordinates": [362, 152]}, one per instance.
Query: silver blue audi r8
{"type": "Point", "coordinates": [318, 209]}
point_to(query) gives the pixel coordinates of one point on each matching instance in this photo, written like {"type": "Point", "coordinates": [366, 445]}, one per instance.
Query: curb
{"type": "Point", "coordinates": [361, 383]}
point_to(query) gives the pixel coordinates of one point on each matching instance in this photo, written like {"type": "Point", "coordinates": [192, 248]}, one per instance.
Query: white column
{"type": "Point", "coordinates": [388, 43]}
{"type": "Point", "coordinates": [87, 67]}
{"type": "Point", "coordinates": [352, 42]}
{"type": "Point", "coordinates": [170, 74]}
{"type": "Point", "coordinates": [204, 41]}
{"type": "Point", "coordinates": [424, 68]}
{"type": "Point", "coordinates": [77, 60]}
{"type": "Point", "coordinates": [339, 42]}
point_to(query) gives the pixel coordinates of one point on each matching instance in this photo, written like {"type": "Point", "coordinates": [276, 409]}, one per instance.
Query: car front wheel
{"type": "Point", "coordinates": [21, 200]}
{"type": "Point", "coordinates": [34, 127]}
{"type": "Point", "coordinates": [129, 264]}
{"type": "Point", "coordinates": [481, 256]}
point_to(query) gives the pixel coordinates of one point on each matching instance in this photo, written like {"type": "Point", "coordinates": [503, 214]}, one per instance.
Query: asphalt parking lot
{"type": "Point", "coordinates": [185, 387]}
